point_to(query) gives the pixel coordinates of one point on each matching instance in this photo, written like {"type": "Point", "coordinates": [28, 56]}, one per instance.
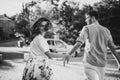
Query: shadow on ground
{"type": "Point", "coordinates": [113, 73]}
{"type": "Point", "coordinates": [4, 65]}
{"type": "Point", "coordinates": [9, 59]}
{"type": "Point", "coordinates": [12, 56]}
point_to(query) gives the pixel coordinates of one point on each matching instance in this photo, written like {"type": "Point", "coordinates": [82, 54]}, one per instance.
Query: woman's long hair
{"type": "Point", "coordinates": [36, 27]}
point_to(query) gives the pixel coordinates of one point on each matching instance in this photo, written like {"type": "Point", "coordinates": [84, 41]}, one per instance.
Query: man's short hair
{"type": "Point", "coordinates": [93, 13]}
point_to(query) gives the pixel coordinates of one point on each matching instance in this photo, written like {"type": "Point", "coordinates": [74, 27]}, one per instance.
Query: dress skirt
{"type": "Point", "coordinates": [37, 69]}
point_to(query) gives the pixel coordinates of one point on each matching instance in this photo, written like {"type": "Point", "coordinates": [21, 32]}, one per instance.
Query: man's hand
{"type": "Point", "coordinates": [66, 59]}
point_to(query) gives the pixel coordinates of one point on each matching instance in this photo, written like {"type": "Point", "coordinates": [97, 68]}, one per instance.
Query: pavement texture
{"type": "Point", "coordinates": [14, 49]}
{"type": "Point", "coordinates": [11, 68]}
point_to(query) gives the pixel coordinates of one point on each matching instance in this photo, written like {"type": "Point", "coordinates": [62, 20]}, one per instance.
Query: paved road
{"type": "Point", "coordinates": [14, 49]}
{"type": "Point", "coordinates": [12, 69]}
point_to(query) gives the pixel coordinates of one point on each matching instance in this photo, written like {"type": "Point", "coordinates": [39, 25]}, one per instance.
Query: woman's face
{"type": "Point", "coordinates": [43, 25]}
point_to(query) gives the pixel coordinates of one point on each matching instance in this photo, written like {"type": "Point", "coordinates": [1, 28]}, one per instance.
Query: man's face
{"type": "Point", "coordinates": [88, 19]}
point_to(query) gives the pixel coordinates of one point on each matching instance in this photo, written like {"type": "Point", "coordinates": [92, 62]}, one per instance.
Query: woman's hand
{"type": "Point", "coordinates": [48, 55]}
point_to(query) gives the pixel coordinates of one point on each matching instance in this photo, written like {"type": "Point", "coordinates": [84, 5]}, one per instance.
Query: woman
{"type": "Point", "coordinates": [37, 67]}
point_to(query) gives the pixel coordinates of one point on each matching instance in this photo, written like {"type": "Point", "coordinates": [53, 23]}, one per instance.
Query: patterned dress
{"type": "Point", "coordinates": [38, 67]}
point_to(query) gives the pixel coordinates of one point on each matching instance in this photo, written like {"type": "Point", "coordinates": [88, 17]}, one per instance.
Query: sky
{"type": "Point", "coordinates": [12, 7]}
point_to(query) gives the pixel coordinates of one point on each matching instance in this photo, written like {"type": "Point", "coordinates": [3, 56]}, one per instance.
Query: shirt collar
{"type": "Point", "coordinates": [96, 22]}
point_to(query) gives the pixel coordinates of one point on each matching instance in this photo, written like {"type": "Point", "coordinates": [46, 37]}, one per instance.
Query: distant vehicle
{"type": "Point", "coordinates": [59, 46]}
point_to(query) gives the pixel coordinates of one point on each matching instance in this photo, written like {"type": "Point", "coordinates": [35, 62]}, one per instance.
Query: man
{"type": "Point", "coordinates": [96, 38]}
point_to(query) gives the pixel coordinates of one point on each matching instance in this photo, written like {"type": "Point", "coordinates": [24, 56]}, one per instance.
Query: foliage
{"type": "Point", "coordinates": [1, 33]}
{"type": "Point", "coordinates": [49, 34]}
{"type": "Point", "coordinates": [70, 17]}
{"type": "Point", "coordinates": [110, 16]}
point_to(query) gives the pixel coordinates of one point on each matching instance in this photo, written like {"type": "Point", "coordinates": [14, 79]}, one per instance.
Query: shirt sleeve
{"type": "Point", "coordinates": [42, 43]}
{"type": "Point", "coordinates": [45, 45]}
{"type": "Point", "coordinates": [83, 35]}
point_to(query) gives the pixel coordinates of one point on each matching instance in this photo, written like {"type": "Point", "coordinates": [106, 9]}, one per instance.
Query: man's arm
{"type": "Point", "coordinates": [80, 40]}
{"type": "Point", "coordinates": [114, 52]}
{"type": "Point", "coordinates": [75, 47]}
{"type": "Point", "coordinates": [54, 55]}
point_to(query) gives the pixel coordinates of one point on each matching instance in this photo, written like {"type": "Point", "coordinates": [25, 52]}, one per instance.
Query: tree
{"type": "Point", "coordinates": [110, 16]}
{"type": "Point", "coordinates": [1, 33]}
